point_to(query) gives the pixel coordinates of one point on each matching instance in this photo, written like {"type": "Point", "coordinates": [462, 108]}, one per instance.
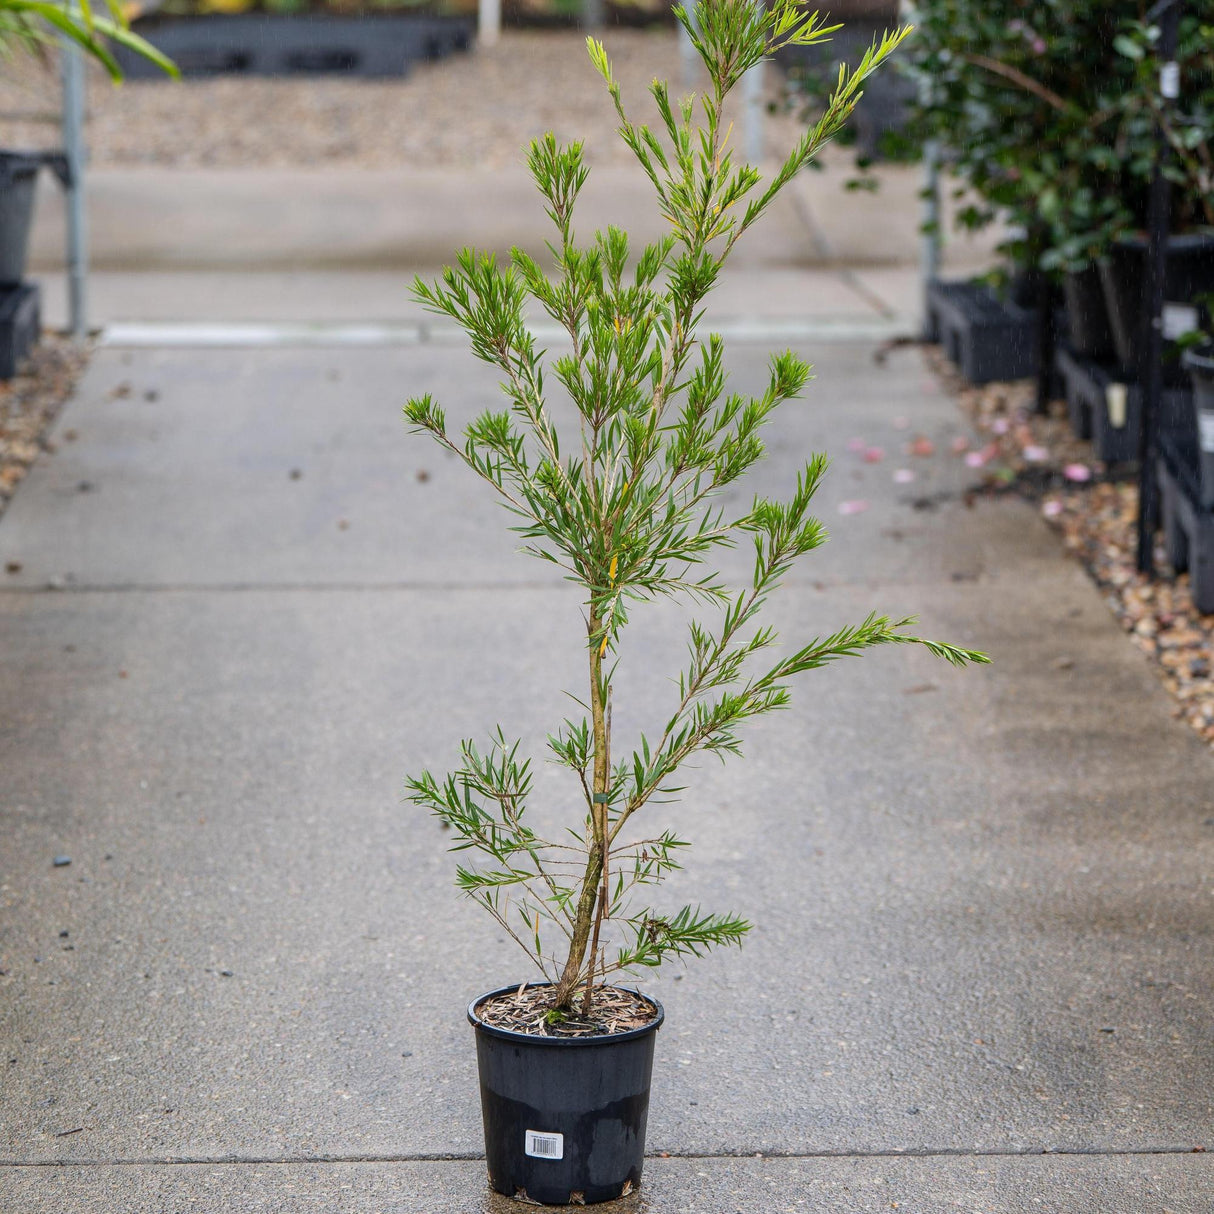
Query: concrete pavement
{"type": "Point", "coordinates": [242, 602]}
{"type": "Point", "coordinates": [248, 602]}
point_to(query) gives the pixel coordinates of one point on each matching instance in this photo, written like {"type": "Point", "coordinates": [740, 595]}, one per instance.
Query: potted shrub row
{"type": "Point", "coordinates": [623, 499]}
{"type": "Point", "coordinates": [30, 27]}
{"type": "Point", "coordinates": [1048, 115]}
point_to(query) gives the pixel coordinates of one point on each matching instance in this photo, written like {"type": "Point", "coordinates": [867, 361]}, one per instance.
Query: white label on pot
{"type": "Point", "coordinates": [1205, 430]}
{"type": "Point", "coordinates": [1169, 80]}
{"type": "Point", "coordinates": [544, 1146]}
{"type": "Point", "coordinates": [1178, 319]}
{"type": "Point", "coordinates": [1114, 401]}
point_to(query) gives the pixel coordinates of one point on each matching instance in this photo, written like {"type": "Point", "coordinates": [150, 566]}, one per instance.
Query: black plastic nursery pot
{"type": "Point", "coordinates": [18, 179]}
{"type": "Point", "coordinates": [564, 1116]}
{"type": "Point", "coordinates": [1087, 314]}
{"type": "Point", "coordinates": [1188, 275]}
{"type": "Point", "coordinates": [1199, 363]}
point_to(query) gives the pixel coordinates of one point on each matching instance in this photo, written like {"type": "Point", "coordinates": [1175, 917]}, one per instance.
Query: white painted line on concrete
{"type": "Point", "coordinates": [211, 336]}
{"type": "Point", "coordinates": [259, 336]}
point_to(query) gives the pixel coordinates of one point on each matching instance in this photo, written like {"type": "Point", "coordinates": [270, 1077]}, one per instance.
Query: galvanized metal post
{"type": "Point", "coordinates": [488, 22]}
{"type": "Point", "coordinates": [1150, 369]}
{"type": "Point", "coordinates": [929, 240]}
{"type": "Point", "coordinates": [592, 15]}
{"type": "Point", "coordinates": [752, 113]}
{"type": "Point", "coordinates": [688, 58]}
{"type": "Point", "coordinates": [73, 147]}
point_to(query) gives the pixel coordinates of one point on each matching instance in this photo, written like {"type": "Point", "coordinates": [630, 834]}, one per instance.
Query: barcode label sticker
{"type": "Point", "coordinates": [545, 1146]}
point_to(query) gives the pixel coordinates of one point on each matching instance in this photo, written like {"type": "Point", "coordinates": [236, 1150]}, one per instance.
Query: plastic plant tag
{"type": "Point", "coordinates": [1115, 401]}
{"type": "Point", "coordinates": [1169, 80]}
{"type": "Point", "coordinates": [1178, 319]}
{"type": "Point", "coordinates": [1205, 431]}
{"type": "Point", "coordinates": [544, 1146]}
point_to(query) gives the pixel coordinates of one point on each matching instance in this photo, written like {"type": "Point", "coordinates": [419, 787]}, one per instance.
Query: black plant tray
{"type": "Point", "coordinates": [1093, 391]}
{"type": "Point", "coordinates": [20, 325]}
{"type": "Point", "coordinates": [1188, 528]}
{"type": "Point", "coordinates": [986, 337]}
{"type": "Point", "coordinates": [259, 44]}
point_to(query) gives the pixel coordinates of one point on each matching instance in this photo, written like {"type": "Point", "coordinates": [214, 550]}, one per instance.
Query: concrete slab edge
{"type": "Point", "coordinates": [194, 335]}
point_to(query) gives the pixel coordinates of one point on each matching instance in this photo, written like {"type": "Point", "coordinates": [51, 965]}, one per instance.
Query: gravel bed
{"type": "Point", "coordinates": [470, 110]}
{"type": "Point", "coordinates": [29, 404]}
{"type": "Point", "coordinates": [1095, 514]}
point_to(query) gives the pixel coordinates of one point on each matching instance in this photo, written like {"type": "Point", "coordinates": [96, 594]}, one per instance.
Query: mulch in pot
{"type": "Point", "coordinates": [527, 1010]}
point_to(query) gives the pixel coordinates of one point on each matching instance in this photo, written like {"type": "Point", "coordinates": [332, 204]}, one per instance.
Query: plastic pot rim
{"type": "Point", "coordinates": [1199, 358]}
{"type": "Point", "coordinates": [603, 1039]}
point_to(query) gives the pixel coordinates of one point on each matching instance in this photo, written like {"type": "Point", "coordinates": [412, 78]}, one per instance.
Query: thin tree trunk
{"type": "Point", "coordinates": [585, 917]}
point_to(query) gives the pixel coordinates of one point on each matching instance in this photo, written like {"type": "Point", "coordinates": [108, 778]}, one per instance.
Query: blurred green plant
{"type": "Point", "coordinates": [623, 503]}
{"type": "Point", "coordinates": [32, 25]}
{"type": "Point", "coordinates": [1047, 113]}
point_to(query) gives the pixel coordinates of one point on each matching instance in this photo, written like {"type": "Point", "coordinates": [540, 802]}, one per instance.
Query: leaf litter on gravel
{"type": "Point", "coordinates": [29, 404]}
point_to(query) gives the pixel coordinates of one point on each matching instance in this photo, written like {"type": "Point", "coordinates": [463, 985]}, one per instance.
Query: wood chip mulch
{"type": "Point", "coordinates": [29, 404]}
{"type": "Point", "coordinates": [1094, 509]}
{"type": "Point", "coordinates": [613, 1010]}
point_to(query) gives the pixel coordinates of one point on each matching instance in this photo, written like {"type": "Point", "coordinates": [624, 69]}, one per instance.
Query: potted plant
{"type": "Point", "coordinates": [29, 26]}
{"type": "Point", "coordinates": [1137, 117]}
{"type": "Point", "coordinates": [1004, 93]}
{"type": "Point", "coordinates": [621, 500]}
{"type": "Point", "coordinates": [1048, 115]}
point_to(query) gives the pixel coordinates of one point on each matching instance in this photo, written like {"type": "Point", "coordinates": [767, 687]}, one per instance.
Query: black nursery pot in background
{"type": "Point", "coordinates": [1087, 314]}
{"type": "Point", "coordinates": [1188, 274]}
{"type": "Point", "coordinates": [18, 179]}
{"type": "Point", "coordinates": [564, 1116]}
{"type": "Point", "coordinates": [1200, 365]}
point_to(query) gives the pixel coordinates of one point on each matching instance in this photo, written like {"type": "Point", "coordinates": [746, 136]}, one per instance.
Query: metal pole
{"type": "Point", "coordinates": [1150, 369]}
{"type": "Point", "coordinates": [752, 114]}
{"type": "Point", "coordinates": [688, 57]}
{"type": "Point", "coordinates": [488, 22]}
{"type": "Point", "coordinates": [73, 147]}
{"type": "Point", "coordinates": [592, 14]}
{"type": "Point", "coordinates": [929, 241]}
{"type": "Point", "coordinates": [1044, 285]}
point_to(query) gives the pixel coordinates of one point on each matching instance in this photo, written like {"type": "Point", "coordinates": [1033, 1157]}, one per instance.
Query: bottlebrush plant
{"type": "Point", "coordinates": [623, 504]}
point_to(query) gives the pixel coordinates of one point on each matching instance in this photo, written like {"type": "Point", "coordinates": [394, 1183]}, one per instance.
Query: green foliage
{"type": "Point", "coordinates": [28, 24]}
{"type": "Point", "coordinates": [624, 505]}
{"type": "Point", "coordinates": [1047, 113]}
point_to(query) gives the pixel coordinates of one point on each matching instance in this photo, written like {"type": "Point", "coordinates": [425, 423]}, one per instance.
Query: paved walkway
{"type": "Point", "coordinates": [248, 602]}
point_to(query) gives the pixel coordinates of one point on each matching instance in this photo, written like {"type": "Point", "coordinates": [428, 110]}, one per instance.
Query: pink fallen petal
{"type": "Point", "coordinates": [1077, 472]}
{"type": "Point", "coordinates": [856, 444]}
{"type": "Point", "coordinates": [873, 455]}
{"type": "Point", "coordinates": [1052, 508]}
{"type": "Point", "coordinates": [904, 476]}
{"type": "Point", "coordinates": [853, 507]}
{"type": "Point", "coordinates": [959, 444]}
{"type": "Point", "coordinates": [1035, 454]}
{"type": "Point", "coordinates": [975, 459]}
{"type": "Point", "coordinates": [922, 446]}
{"type": "Point", "coordinates": [1000, 425]}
